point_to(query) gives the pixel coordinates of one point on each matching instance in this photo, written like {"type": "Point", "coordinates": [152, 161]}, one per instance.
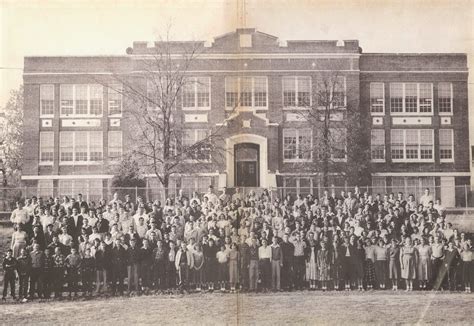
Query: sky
{"type": "Point", "coordinates": [73, 27]}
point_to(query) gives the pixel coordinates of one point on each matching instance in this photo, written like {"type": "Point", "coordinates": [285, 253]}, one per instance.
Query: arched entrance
{"type": "Point", "coordinates": [251, 151]}
{"type": "Point", "coordinates": [246, 165]}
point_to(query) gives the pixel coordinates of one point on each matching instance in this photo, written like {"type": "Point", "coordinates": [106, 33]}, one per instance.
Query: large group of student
{"type": "Point", "coordinates": [219, 241]}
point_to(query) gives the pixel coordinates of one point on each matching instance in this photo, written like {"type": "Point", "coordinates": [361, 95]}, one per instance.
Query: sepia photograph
{"type": "Point", "coordinates": [236, 162]}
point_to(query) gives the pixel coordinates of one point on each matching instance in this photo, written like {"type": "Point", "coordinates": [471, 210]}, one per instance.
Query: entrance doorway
{"type": "Point", "coordinates": [246, 163]}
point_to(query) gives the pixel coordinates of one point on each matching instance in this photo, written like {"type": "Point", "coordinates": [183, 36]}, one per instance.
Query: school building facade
{"type": "Point", "coordinates": [416, 106]}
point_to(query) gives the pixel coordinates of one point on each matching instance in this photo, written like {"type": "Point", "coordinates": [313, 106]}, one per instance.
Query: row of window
{"type": "Point", "coordinates": [298, 145]}
{"type": "Point", "coordinates": [91, 189]}
{"type": "Point", "coordinates": [411, 98]}
{"type": "Point", "coordinates": [87, 99]}
{"type": "Point", "coordinates": [412, 145]}
{"type": "Point", "coordinates": [80, 146]}
{"type": "Point", "coordinates": [80, 100]}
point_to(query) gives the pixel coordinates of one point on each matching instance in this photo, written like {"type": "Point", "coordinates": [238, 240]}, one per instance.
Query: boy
{"type": "Point", "coordinates": [59, 264]}
{"type": "Point", "coordinates": [23, 268]}
{"type": "Point", "coordinates": [9, 266]}
{"type": "Point", "coordinates": [88, 270]}
{"type": "Point", "coordinates": [73, 263]}
{"type": "Point", "coordinates": [48, 274]}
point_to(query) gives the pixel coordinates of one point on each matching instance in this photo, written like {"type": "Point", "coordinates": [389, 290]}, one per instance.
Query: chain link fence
{"type": "Point", "coordinates": [456, 196]}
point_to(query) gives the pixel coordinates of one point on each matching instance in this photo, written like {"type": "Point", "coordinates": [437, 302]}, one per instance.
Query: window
{"type": "Point", "coordinates": [377, 98]}
{"type": "Point", "coordinates": [297, 145]}
{"type": "Point", "coordinates": [96, 145]}
{"type": "Point", "coordinates": [196, 92]}
{"type": "Point", "coordinates": [161, 93]}
{"type": "Point", "coordinates": [396, 97]}
{"type": "Point", "coordinates": [446, 146]}
{"type": "Point", "coordinates": [80, 146]}
{"type": "Point", "coordinates": [199, 184]}
{"type": "Point", "coordinates": [246, 92]}
{"type": "Point", "coordinates": [379, 185]}
{"type": "Point", "coordinates": [232, 91]}
{"type": "Point", "coordinates": [67, 99]}
{"type": "Point", "coordinates": [115, 145]}
{"type": "Point", "coordinates": [298, 185]}
{"type": "Point", "coordinates": [47, 100]}
{"type": "Point", "coordinates": [91, 189]}
{"type": "Point", "coordinates": [115, 99]}
{"type": "Point", "coordinates": [445, 98]}
{"type": "Point", "coordinates": [331, 91]}
{"type": "Point", "coordinates": [413, 185]}
{"type": "Point", "coordinates": [411, 98]}
{"type": "Point", "coordinates": [46, 147]}
{"type": "Point", "coordinates": [338, 139]}
{"type": "Point", "coordinates": [193, 148]}
{"type": "Point", "coordinates": [296, 91]}
{"type": "Point", "coordinates": [66, 142]}
{"type": "Point", "coordinates": [412, 145]}
{"type": "Point", "coordinates": [377, 145]}
{"type": "Point", "coordinates": [82, 99]}
{"type": "Point", "coordinates": [45, 188]}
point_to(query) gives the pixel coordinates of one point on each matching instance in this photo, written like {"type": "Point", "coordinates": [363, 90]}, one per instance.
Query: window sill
{"type": "Point", "coordinates": [377, 114]}
{"type": "Point", "coordinates": [82, 163]}
{"type": "Point", "coordinates": [196, 108]}
{"type": "Point", "coordinates": [425, 114]}
{"type": "Point", "coordinates": [445, 114]}
{"type": "Point", "coordinates": [49, 163]}
{"type": "Point", "coordinates": [377, 161]}
{"type": "Point", "coordinates": [46, 116]}
{"type": "Point", "coordinates": [296, 108]}
{"type": "Point", "coordinates": [75, 116]}
{"type": "Point", "coordinates": [412, 161]}
{"type": "Point", "coordinates": [247, 108]}
{"type": "Point", "coordinates": [446, 161]}
{"type": "Point", "coordinates": [297, 161]}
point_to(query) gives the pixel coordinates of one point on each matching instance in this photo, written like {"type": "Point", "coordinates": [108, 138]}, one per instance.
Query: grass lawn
{"type": "Point", "coordinates": [297, 308]}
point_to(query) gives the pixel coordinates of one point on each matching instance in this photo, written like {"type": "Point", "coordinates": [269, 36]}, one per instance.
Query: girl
{"type": "Point", "coordinates": [311, 265]}
{"type": "Point", "coordinates": [369, 270]}
{"type": "Point", "coordinates": [467, 256]}
{"type": "Point", "coordinates": [198, 269]}
{"type": "Point", "coordinates": [408, 259]}
{"type": "Point", "coordinates": [393, 266]}
{"type": "Point", "coordinates": [19, 240]}
{"type": "Point", "coordinates": [381, 264]}
{"type": "Point", "coordinates": [234, 257]}
{"type": "Point", "coordinates": [346, 252]}
{"type": "Point", "coordinates": [336, 270]}
{"type": "Point", "coordinates": [210, 264]}
{"type": "Point", "coordinates": [323, 266]}
{"type": "Point", "coordinates": [222, 258]}
{"type": "Point", "coordinates": [424, 264]}
{"type": "Point", "coordinates": [359, 259]}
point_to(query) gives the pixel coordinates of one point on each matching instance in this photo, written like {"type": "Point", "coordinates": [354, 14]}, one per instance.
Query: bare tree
{"type": "Point", "coordinates": [338, 139]}
{"type": "Point", "coordinates": [11, 136]}
{"type": "Point", "coordinates": [152, 99]}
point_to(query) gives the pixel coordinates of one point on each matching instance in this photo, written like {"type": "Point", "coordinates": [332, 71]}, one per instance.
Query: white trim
{"type": "Point", "coordinates": [413, 71]}
{"type": "Point", "coordinates": [239, 56]}
{"type": "Point", "coordinates": [189, 72]}
{"type": "Point", "coordinates": [263, 157]}
{"type": "Point", "coordinates": [66, 177]}
{"type": "Point", "coordinates": [201, 174]}
{"type": "Point", "coordinates": [421, 174]}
